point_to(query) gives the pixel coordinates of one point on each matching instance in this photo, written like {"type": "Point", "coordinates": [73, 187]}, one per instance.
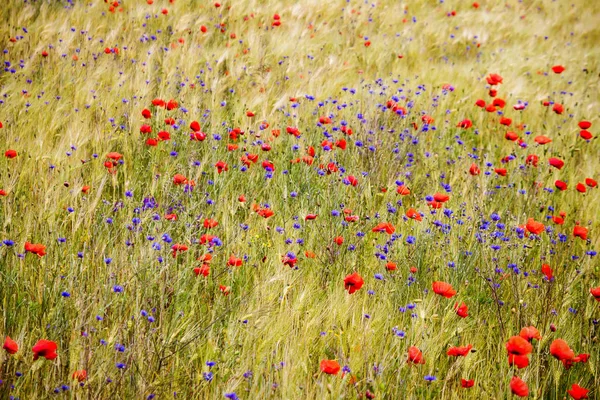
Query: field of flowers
{"type": "Point", "coordinates": [299, 199]}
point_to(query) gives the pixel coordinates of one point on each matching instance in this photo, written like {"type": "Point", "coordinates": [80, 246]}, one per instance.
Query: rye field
{"type": "Point", "coordinates": [299, 199]}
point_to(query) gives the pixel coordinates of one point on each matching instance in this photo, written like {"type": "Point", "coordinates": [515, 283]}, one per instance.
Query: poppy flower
{"type": "Point", "coordinates": [38, 249]}
{"type": "Point", "coordinates": [467, 383]}
{"type": "Point", "coordinates": [480, 103]}
{"type": "Point", "coordinates": [518, 387]}
{"type": "Point", "coordinates": [353, 282]}
{"type": "Point", "coordinates": [558, 108]}
{"type": "Point", "coordinates": [518, 361]}
{"type": "Point", "coordinates": [221, 166]}
{"type": "Point", "coordinates": [415, 356]}
{"type": "Point", "coordinates": [330, 367]}
{"type": "Point", "coordinates": [234, 262]}
{"type": "Point", "coordinates": [474, 170]}
{"type": "Point", "coordinates": [505, 121]}
{"type": "Point", "coordinates": [529, 333]}
{"type": "Point", "coordinates": [560, 185]}
{"type": "Point", "coordinates": [45, 348]}
{"type": "Point", "coordinates": [494, 79]}
{"type": "Point", "coordinates": [10, 345]}
{"type": "Point", "coordinates": [403, 190]}
{"type": "Point", "coordinates": [384, 227]}
{"type": "Point", "coordinates": [577, 392]}
{"type": "Point", "coordinates": [146, 113]}
{"type": "Point", "coordinates": [80, 375]}
{"type": "Point", "coordinates": [580, 187]}
{"type": "Point", "coordinates": [580, 232]}
{"type": "Point", "coordinates": [413, 214]}
{"type": "Point", "coordinates": [590, 182]}
{"type": "Point", "coordinates": [541, 139]}
{"type": "Point", "coordinates": [352, 180]}
{"type": "Point", "coordinates": [512, 136]}
{"type": "Point", "coordinates": [179, 179]}
{"type": "Point", "coordinates": [585, 134]}
{"type": "Point", "coordinates": [309, 254]}
{"type": "Point", "coordinates": [532, 159]}
{"type": "Point", "coordinates": [518, 346]}
{"type": "Point", "coordinates": [465, 124]}
{"type": "Point", "coordinates": [145, 129]}
{"type": "Point", "coordinates": [584, 124]}
{"type": "Point", "coordinates": [442, 198]}
{"type": "Point", "coordinates": [595, 292]}
{"type": "Point", "coordinates": [114, 156]}
{"type": "Point", "coordinates": [210, 223]}
{"type": "Point", "coordinates": [534, 227]}
{"type": "Point", "coordinates": [225, 290]}
{"type": "Point", "coordinates": [10, 154]}
{"type": "Point", "coordinates": [462, 310]}
{"type": "Point", "coordinates": [546, 270]}
{"type": "Point", "coordinates": [204, 270]}
{"type": "Point", "coordinates": [443, 289]}
{"type": "Point", "coordinates": [498, 102]}
{"type": "Point", "coordinates": [500, 171]}
{"type": "Point", "coordinates": [172, 104]}
{"type": "Point", "coordinates": [390, 266]}
{"type": "Point", "coordinates": [558, 69]}
{"type": "Point", "coordinates": [558, 220]}
{"type": "Point", "coordinates": [581, 358]}
{"type": "Point", "coordinates": [178, 248]}
{"type": "Point", "coordinates": [459, 351]}
{"type": "Point", "coordinates": [561, 350]}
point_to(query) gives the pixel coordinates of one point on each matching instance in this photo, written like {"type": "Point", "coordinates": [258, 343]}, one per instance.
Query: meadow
{"type": "Point", "coordinates": [299, 200]}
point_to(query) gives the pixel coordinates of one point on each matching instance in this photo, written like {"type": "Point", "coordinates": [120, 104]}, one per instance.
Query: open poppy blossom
{"type": "Point", "coordinates": [80, 375]}
{"type": "Point", "coordinates": [518, 387]}
{"type": "Point", "coordinates": [37, 249]}
{"type": "Point", "coordinates": [384, 227]}
{"type": "Point", "coordinates": [459, 351]}
{"type": "Point", "coordinates": [415, 356]}
{"type": "Point", "coordinates": [443, 289]}
{"type": "Point", "coordinates": [10, 346]}
{"type": "Point", "coordinates": [462, 310]}
{"type": "Point", "coordinates": [529, 333]}
{"type": "Point", "coordinates": [534, 227]}
{"type": "Point", "coordinates": [330, 367]}
{"type": "Point", "coordinates": [561, 350]}
{"type": "Point", "coordinates": [45, 348]}
{"type": "Point", "coordinates": [467, 383]}
{"type": "Point", "coordinates": [577, 392]}
{"type": "Point", "coordinates": [353, 282]}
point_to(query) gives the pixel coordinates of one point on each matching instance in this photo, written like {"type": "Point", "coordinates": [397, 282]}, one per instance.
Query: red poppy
{"type": "Point", "coordinates": [529, 333]}
{"type": "Point", "coordinates": [415, 356]}
{"type": "Point", "coordinates": [558, 69]}
{"type": "Point", "coordinates": [413, 214]}
{"type": "Point", "coordinates": [353, 282]}
{"type": "Point", "coordinates": [534, 226]}
{"type": "Point", "coordinates": [532, 159]}
{"type": "Point", "coordinates": [518, 361]}
{"type": "Point", "coordinates": [498, 102]}
{"type": "Point", "coordinates": [403, 190]}
{"type": "Point", "coordinates": [585, 134]}
{"type": "Point", "coordinates": [580, 187]}
{"type": "Point", "coordinates": [178, 248]}
{"type": "Point", "coordinates": [442, 198]}
{"type": "Point", "coordinates": [10, 345]}
{"type": "Point", "coordinates": [10, 154]}
{"type": "Point", "coordinates": [38, 249]}
{"type": "Point", "coordinates": [546, 270]}
{"type": "Point", "coordinates": [179, 179]}
{"type": "Point", "coordinates": [518, 346]}
{"type": "Point", "coordinates": [512, 136]}
{"type": "Point", "coordinates": [221, 166]}
{"type": "Point", "coordinates": [338, 240]}
{"type": "Point", "coordinates": [114, 156]}
{"type": "Point", "coordinates": [500, 171]}
{"type": "Point", "coordinates": [480, 103]}
{"type": "Point", "coordinates": [584, 124]}
{"type": "Point", "coordinates": [558, 220]}
{"type": "Point", "coordinates": [80, 375]}
{"type": "Point", "coordinates": [234, 262]}
{"type": "Point", "coordinates": [580, 232]}
{"type": "Point", "coordinates": [556, 162]}
{"type": "Point", "coordinates": [384, 227]}
{"type": "Point", "coordinates": [330, 367]}
{"type": "Point", "coordinates": [45, 348]}
{"type": "Point", "coordinates": [561, 350]}
{"type": "Point", "coordinates": [172, 104]}
{"type": "Point", "coordinates": [505, 121]}
{"type": "Point", "coordinates": [210, 223]}
{"type": "Point", "coordinates": [465, 123]}
{"type": "Point", "coordinates": [459, 351]}
{"type": "Point", "coordinates": [352, 179]}
{"type": "Point", "coordinates": [145, 129]}
{"type": "Point", "coordinates": [542, 139]}
{"type": "Point", "coordinates": [518, 387]}
{"type": "Point", "coordinates": [577, 392]}
{"type": "Point", "coordinates": [590, 182]}
{"type": "Point", "coordinates": [443, 289]}
{"type": "Point", "coordinates": [462, 310]}
{"type": "Point", "coordinates": [558, 108]}
{"type": "Point", "coordinates": [595, 292]}
{"type": "Point", "coordinates": [560, 185]}
{"type": "Point", "coordinates": [474, 169]}
{"type": "Point", "coordinates": [467, 383]}
{"type": "Point", "coordinates": [390, 266]}
{"type": "Point", "coordinates": [494, 79]}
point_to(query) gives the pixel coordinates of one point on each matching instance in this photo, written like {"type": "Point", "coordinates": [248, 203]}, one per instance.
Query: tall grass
{"type": "Point", "coordinates": [65, 112]}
